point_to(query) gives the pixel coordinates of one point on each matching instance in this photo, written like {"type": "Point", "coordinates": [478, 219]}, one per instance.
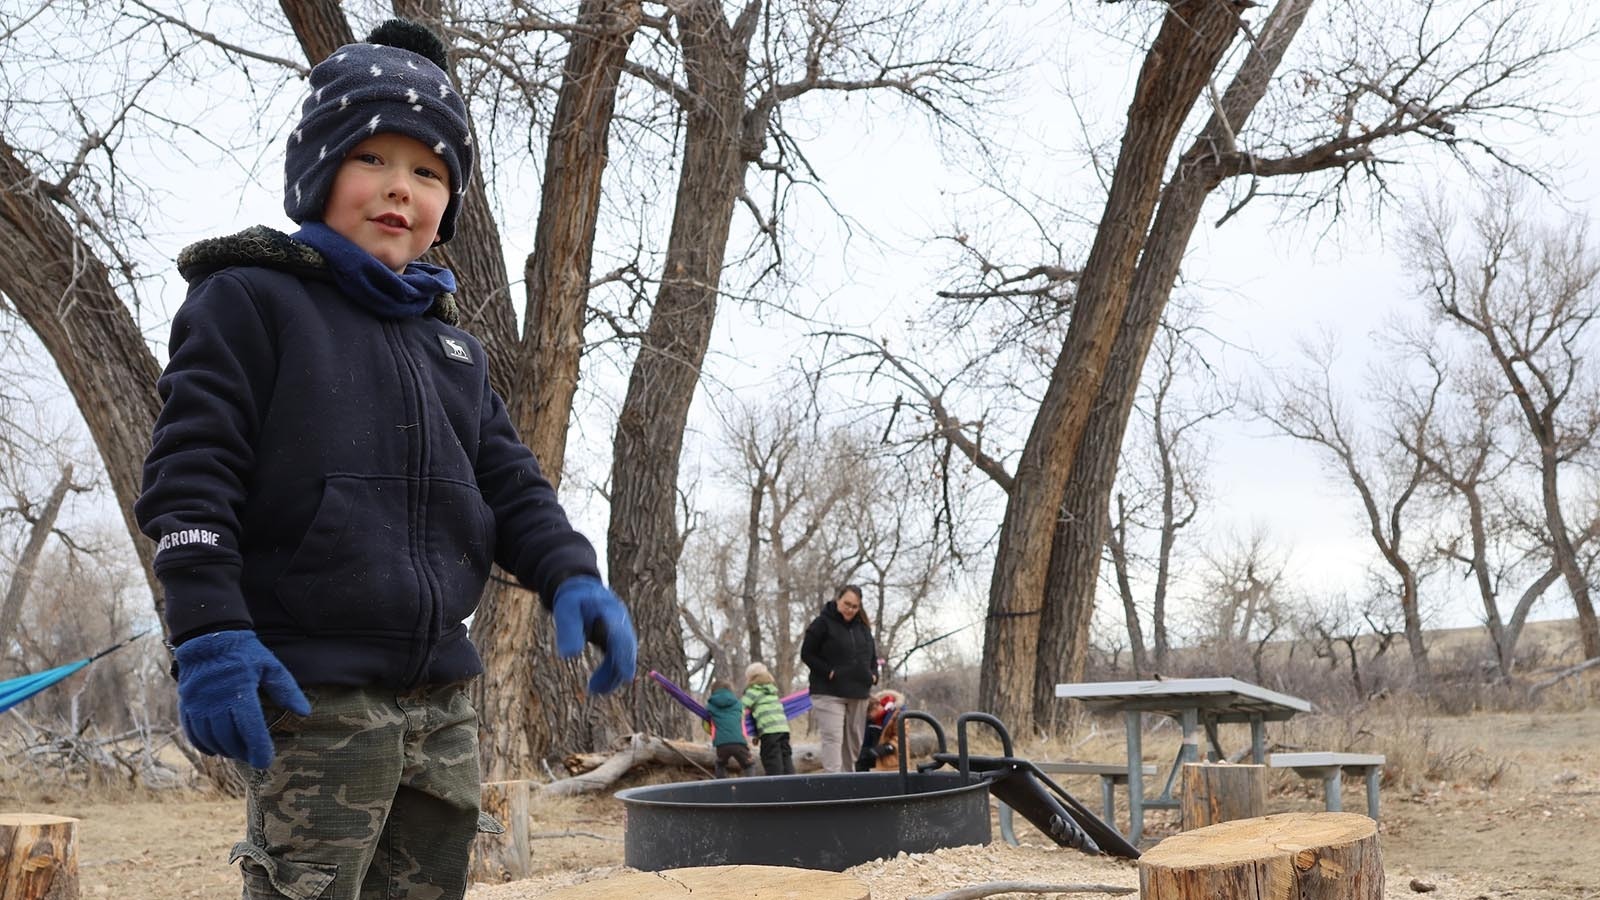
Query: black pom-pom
{"type": "Point", "coordinates": [408, 35]}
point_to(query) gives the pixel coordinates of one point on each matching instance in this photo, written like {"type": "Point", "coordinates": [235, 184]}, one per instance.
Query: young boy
{"type": "Point", "coordinates": [330, 478]}
{"type": "Point", "coordinates": [727, 729]}
{"type": "Point", "coordinates": [772, 724]}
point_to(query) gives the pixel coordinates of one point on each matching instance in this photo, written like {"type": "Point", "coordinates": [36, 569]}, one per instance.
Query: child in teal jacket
{"type": "Point", "coordinates": [727, 728]}
{"type": "Point", "coordinates": [772, 723]}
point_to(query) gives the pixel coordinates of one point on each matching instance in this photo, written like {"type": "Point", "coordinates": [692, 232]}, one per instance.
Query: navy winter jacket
{"type": "Point", "coordinates": [336, 481]}
{"type": "Point", "coordinates": [845, 649]}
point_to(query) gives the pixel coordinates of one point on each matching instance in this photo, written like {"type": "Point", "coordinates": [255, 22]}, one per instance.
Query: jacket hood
{"type": "Point", "coordinates": [269, 248]}
{"type": "Point", "coordinates": [722, 698]}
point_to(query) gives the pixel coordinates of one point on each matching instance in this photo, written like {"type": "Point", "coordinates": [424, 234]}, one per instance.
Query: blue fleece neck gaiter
{"type": "Point", "coordinates": [371, 283]}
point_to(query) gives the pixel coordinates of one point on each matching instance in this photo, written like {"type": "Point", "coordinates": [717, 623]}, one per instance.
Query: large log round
{"type": "Point", "coordinates": [38, 857]}
{"type": "Point", "coordinates": [1304, 856]}
{"type": "Point", "coordinates": [1219, 792]}
{"type": "Point", "coordinates": [505, 856]}
{"type": "Point", "coordinates": [720, 883]}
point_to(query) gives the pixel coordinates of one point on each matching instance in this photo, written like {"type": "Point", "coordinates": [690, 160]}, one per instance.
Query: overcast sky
{"type": "Point", "coordinates": [866, 257]}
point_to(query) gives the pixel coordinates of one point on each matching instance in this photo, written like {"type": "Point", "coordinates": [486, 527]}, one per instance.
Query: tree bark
{"type": "Point", "coordinates": [1214, 793]}
{"type": "Point", "coordinates": [39, 531]}
{"type": "Point", "coordinates": [525, 703]}
{"type": "Point", "coordinates": [59, 286]}
{"type": "Point", "coordinates": [643, 542]}
{"type": "Point", "coordinates": [498, 858]}
{"type": "Point", "coordinates": [1081, 529]}
{"type": "Point", "coordinates": [38, 857]}
{"type": "Point", "coordinates": [1185, 53]}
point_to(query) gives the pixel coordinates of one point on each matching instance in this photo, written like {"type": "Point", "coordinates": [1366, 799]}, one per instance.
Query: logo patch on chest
{"type": "Point", "coordinates": [456, 349]}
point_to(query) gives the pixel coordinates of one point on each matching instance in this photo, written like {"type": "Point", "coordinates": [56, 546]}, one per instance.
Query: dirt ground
{"type": "Point", "coordinates": [1532, 833]}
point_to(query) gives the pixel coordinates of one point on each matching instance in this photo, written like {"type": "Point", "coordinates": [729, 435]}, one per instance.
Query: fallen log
{"type": "Point", "coordinates": [642, 750]}
{"type": "Point", "coordinates": [1536, 689]}
{"type": "Point", "coordinates": [720, 883]}
{"type": "Point", "coordinates": [990, 888]}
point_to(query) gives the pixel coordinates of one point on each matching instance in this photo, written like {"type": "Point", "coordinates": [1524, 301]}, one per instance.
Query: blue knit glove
{"type": "Point", "coordinates": [219, 676]}
{"type": "Point", "coordinates": [584, 608]}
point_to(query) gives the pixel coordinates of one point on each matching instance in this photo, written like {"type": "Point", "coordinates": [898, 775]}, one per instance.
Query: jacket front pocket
{"type": "Point", "coordinates": [354, 569]}
{"type": "Point", "coordinates": [460, 545]}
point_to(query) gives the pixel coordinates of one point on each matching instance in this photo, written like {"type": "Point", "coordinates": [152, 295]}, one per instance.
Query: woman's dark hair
{"type": "Point", "coordinates": [854, 589]}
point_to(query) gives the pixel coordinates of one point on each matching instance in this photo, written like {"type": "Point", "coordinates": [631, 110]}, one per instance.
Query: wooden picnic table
{"type": "Point", "coordinates": [1195, 703]}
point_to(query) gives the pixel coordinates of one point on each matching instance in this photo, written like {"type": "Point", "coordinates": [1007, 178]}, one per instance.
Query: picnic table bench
{"type": "Point", "coordinates": [1330, 768]}
{"type": "Point", "coordinates": [1111, 775]}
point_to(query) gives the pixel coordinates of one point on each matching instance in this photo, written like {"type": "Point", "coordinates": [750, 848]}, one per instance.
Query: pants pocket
{"type": "Point", "coordinates": [267, 877]}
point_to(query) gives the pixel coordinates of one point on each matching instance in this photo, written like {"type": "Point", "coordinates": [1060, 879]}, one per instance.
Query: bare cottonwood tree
{"type": "Point", "coordinates": [740, 72]}
{"type": "Point", "coordinates": [1471, 450]}
{"type": "Point", "coordinates": [1525, 292]}
{"type": "Point", "coordinates": [1163, 484]}
{"type": "Point", "coordinates": [1308, 406]}
{"type": "Point", "coordinates": [834, 509]}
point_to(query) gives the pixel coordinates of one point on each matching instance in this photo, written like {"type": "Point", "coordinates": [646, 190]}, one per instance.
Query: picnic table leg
{"type": "Point", "coordinates": [1133, 722]}
{"type": "Point", "coordinates": [1258, 741]}
{"type": "Point", "coordinates": [1108, 798]}
{"type": "Point", "coordinates": [1332, 788]}
{"type": "Point", "coordinates": [1215, 753]}
{"type": "Point", "coordinates": [1008, 831]}
{"type": "Point", "coordinates": [1373, 774]}
{"type": "Point", "coordinates": [1190, 751]}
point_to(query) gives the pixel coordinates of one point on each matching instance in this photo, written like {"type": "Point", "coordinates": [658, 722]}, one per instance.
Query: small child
{"type": "Point", "coordinates": [330, 479]}
{"type": "Point", "coordinates": [878, 744]}
{"type": "Point", "coordinates": [727, 728]}
{"type": "Point", "coordinates": [772, 724]}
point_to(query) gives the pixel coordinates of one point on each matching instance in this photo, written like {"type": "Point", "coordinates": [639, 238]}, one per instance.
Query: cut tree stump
{"type": "Point", "coordinates": [498, 858]}
{"type": "Point", "coordinates": [38, 857]}
{"type": "Point", "coordinates": [1305, 856]}
{"type": "Point", "coordinates": [1216, 792]}
{"type": "Point", "coordinates": [721, 883]}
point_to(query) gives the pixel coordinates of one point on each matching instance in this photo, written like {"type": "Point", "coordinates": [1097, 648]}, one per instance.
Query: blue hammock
{"type": "Point", "coordinates": [16, 690]}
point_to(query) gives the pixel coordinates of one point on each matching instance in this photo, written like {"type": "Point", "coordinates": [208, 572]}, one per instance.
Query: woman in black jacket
{"type": "Point", "coordinates": [843, 658]}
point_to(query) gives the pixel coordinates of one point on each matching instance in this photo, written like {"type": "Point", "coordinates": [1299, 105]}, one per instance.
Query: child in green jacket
{"type": "Point", "coordinates": [772, 724]}
{"type": "Point", "coordinates": [727, 728]}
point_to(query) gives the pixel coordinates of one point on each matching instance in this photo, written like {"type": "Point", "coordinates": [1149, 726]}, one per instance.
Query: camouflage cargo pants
{"type": "Point", "coordinates": [374, 795]}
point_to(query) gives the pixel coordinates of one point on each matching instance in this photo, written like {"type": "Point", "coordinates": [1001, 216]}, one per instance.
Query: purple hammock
{"type": "Point", "coordinates": [793, 705]}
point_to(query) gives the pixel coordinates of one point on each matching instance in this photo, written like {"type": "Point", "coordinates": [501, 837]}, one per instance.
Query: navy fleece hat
{"type": "Point", "coordinates": [395, 82]}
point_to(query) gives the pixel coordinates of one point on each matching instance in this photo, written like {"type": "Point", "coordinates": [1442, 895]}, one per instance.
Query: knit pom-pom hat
{"type": "Point", "coordinates": [756, 672]}
{"type": "Point", "coordinates": [394, 82]}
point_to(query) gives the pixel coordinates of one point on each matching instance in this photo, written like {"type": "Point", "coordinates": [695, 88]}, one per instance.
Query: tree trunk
{"type": "Point", "coordinates": [525, 704]}
{"type": "Point", "coordinates": [319, 26]}
{"type": "Point", "coordinates": [1411, 612]}
{"type": "Point", "coordinates": [1561, 544]}
{"type": "Point", "coordinates": [643, 544]}
{"type": "Point", "coordinates": [1192, 39]}
{"type": "Point", "coordinates": [1117, 542]}
{"type": "Point", "coordinates": [752, 568]}
{"type": "Point", "coordinates": [38, 857]}
{"type": "Point", "coordinates": [1519, 614]}
{"type": "Point", "coordinates": [59, 286]}
{"type": "Point", "coordinates": [39, 531]}
{"type": "Point", "coordinates": [1080, 530]}
{"type": "Point", "coordinates": [1309, 856]}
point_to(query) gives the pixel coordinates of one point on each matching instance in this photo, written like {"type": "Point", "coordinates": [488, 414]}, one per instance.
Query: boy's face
{"type": "Point", "coordinates": [388, 198]}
